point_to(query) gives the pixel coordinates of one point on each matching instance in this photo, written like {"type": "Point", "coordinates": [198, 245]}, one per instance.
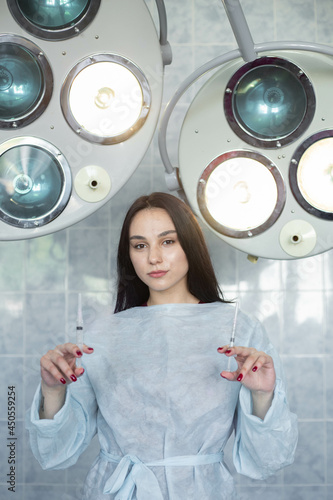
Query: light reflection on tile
{"type": "Point", "coordinates": [266, 307]}
{"type": "Point", "coordinates": [12, 265]}
{"type": "Point", "coordinates": [303, 274]}
{"type": "Point", "coordinates": [264, 275]}
{"type": "Point", "coordinates": [303, 323]}
{"type": "Point", "coordinates": [88, 257]}
{"type": "Point", "coordinates": [328, 297]}
{"type": "Point", "coordinates": [305, 386]}
{"type": "Point", "coordinates": [46, 259]}
{"type": "Point", "coordinates": [11, 323]}
{"type": "Point", "coordinates": [45, 322]}
{"type": "Point", "coordinates": [328, 270]}
{"type": "Point", "coordinates": [329, 386]}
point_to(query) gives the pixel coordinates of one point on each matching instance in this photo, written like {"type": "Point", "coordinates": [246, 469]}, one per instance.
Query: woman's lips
{"type": "Point", "coordinates": [157, 274]}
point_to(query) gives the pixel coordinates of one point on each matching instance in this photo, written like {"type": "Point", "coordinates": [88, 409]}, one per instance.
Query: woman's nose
{"type": "Point", "coordinates": [155, 255]}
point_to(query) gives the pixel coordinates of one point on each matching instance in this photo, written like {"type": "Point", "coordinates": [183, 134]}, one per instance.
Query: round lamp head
{"type": "Point", "coordinates": [241, 194]}
{"type": "Point", "coordinates": [26, 82]}
{"type": "Point", "coordinates": [56, 19]}
{"type": "Point", "coordinates": [35, 182]}
{"type": "Point", "coordinates": [311, 175]}
{"type": "Point", "coordinates": [269, 102]}
{"type": "Point", "coordinates": [105, 99]}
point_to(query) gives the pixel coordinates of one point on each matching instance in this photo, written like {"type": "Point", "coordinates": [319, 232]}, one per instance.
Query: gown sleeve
{"type": "Point", "coordinates": [262, 447]}
{"type": "Point", "coordinates": [57, 443]}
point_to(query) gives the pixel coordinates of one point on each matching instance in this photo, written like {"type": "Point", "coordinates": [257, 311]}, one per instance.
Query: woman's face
{"type": "Point", "coordinates": [156, 254]}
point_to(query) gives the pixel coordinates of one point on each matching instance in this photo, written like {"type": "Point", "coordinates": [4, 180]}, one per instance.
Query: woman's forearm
{"type": "Point", "coordinates": [52, 401]}
{"type": "Point", "coordinates": [261, 402]}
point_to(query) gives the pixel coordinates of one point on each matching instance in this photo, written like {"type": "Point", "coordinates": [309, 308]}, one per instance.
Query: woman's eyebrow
{"type": "Point", "coordinates": [137, 237]}
{"type": "Point", "coordinates": [161, 235]}
{"type": "Point", "coordinates": [165, 233]}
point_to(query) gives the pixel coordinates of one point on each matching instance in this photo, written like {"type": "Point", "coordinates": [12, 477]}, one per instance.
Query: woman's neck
{"type": "Point", "coordinates": [158, 298]}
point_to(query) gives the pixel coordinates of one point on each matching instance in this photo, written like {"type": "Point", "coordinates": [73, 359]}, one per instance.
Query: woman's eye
{"type": "Point", "coordinates": [168, 242]}
{"type": "Point", "coordinates": [139, 246]}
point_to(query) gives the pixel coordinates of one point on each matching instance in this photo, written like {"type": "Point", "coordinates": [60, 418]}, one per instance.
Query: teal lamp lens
{"type": "Point", "coordinates": [269, 102]}
{"type": "Point", "coordinates": [57, 14]}
{"type": "Point", "coordinates": [26, 81]}
{"type": "Point", "coordinates": [21, 82]}
{"type": "Point", "coordinates": [54, 19]}
{"type": "Point", "coordinates": [34, 186]}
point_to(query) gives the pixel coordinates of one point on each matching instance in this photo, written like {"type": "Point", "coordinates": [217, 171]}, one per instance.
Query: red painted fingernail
{"type": "Point", "coordinates": [90, 348]}
{"type": "Point", "coordinates": [228, 351]}
{"type": "Point", "coordinates": [82, 371]}
{"type": "Point", "coordinates": [63, 381]}
{"type": "Point", "coordinates": [239, 378]}
{"type": "Point", "coordinates": [73, 378]}
{"type": "Point", "coordinates": [255, 368]}
{"type": "Point", "coordinates": [79, 353]}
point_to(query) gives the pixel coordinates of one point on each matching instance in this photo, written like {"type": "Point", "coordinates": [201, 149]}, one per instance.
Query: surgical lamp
{"type": "Point", "coordinates": [80, 96]}
{"type": "Point", "coordinates": [256, 146]}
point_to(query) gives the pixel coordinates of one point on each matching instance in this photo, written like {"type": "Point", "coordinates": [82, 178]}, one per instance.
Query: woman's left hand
{"type": "Point", "coordinates": [255, 368]}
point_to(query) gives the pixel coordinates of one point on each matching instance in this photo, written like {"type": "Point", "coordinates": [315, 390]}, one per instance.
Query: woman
{"type": "Point", "coordinates": [152, 388]}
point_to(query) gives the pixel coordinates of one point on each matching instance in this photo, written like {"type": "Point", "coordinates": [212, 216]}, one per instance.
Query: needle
{"type": "Point", "coordinates": [232, 338]}
{"type": "Point", "coordinates": [79, 329]}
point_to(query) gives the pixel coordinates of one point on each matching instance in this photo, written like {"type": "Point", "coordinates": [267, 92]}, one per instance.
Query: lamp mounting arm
{"type": "Point", "coordinates": [241, 29]}
{"type": "Point", "coordinates": [164, 44]}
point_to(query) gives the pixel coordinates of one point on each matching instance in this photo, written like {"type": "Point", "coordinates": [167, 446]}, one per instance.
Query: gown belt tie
{"type": "Point", "coordinates": [131, 472]}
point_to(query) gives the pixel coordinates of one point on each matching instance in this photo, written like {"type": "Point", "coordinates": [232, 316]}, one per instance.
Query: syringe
{"type": "Point", "coordinates": [79, 329]}
{"type": "Point", "coordinates": [232, 338]}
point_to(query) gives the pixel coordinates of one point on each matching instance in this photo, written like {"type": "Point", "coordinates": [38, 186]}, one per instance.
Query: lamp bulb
{"type": "Point", "coordinates": [104, 98]}
{"type": "Point", "coordinates": [242, 192]}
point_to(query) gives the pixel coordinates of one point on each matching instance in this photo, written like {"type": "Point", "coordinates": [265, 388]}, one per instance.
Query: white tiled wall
{"type": "Point", "coordinates": [40, 279]}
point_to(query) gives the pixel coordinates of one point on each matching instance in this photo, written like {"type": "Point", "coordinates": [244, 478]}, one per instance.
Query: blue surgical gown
{"type": "Point", "coordinates": [153, 393]}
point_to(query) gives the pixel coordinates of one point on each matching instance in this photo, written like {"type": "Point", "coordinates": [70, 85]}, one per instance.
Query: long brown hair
{"type": "Point", "coordinates": [201, 279]}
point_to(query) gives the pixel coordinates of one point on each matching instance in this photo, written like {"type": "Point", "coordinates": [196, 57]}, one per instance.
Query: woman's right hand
{"type": "Point", "coordinates": [58, 366]}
